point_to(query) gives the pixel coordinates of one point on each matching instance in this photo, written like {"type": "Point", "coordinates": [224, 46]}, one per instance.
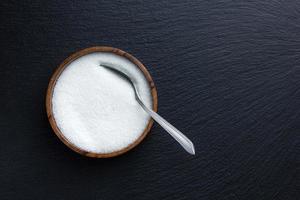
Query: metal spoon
{"type": "Point", "coordinates": [174, 132]}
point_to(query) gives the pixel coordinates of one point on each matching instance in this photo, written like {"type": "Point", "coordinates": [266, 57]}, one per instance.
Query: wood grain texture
{"type": "Point", "coordinates": [64, 65]}
{"type": "Point", "coordinates": [227, 75]}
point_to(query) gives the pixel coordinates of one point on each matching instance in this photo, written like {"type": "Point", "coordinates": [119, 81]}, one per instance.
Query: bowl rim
{"type": "Point", "coordinates": [57, 74]}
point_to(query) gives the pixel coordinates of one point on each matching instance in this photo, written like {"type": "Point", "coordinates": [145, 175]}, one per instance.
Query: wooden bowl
{"type": "Point", "coordinates": [55, 77]}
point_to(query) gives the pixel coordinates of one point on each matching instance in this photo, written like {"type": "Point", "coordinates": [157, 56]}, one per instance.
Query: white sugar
{"type": "Point", "coordinates": [95, 109]}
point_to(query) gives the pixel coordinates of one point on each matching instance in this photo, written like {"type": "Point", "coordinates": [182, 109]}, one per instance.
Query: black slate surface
{"type": "Point", "coordinates": [227, 75]}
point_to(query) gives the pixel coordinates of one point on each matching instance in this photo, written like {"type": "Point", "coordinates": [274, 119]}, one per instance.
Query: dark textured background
{"type": "Point", "coordinates": [227, 74]}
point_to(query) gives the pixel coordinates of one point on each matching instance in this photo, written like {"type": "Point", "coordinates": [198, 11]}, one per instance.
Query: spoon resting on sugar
{"type": "Point", "coordinates": [174, 132]}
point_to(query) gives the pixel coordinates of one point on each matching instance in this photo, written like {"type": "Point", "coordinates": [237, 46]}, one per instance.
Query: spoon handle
{"type": "Point", "coordinates": [174, 132]}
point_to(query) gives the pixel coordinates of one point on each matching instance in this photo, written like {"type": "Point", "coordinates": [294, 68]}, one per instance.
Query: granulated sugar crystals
{"type": "Point", "coordinates": [96, 110]}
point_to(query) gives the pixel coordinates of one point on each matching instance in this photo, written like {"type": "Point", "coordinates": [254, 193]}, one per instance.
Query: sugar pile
{"type": "Point", "coordinates": [95, 109]}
